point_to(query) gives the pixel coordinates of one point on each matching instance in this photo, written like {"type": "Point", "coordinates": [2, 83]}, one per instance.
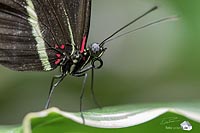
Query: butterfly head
{"type": "Point", "coordinates": [96, 51]}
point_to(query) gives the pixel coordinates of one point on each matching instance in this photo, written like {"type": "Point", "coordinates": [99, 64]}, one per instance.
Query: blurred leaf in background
{"type": "Point", "coordinates": [157, 64]}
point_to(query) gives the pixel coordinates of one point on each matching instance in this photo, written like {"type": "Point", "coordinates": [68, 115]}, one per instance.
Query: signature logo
{"type": "Point", "coordinates": [169, 120]}
{"type": "Point", "coordinates": [174, 123]}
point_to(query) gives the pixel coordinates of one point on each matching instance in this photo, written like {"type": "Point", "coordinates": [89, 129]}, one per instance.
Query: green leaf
{"type": "Point", "coordinates": [120, 119]}
{"type": "Point", "coordinates": [129, 118]}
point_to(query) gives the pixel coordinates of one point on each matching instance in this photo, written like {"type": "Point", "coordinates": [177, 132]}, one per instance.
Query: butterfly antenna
{"type": "Point", "coordinates": [149, 11]}
{"type": "Point", "coordinates": [170, 18]}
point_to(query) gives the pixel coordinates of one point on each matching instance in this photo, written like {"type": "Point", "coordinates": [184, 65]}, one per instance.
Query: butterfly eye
{"type": "Point", "coordinates": [95, 48]}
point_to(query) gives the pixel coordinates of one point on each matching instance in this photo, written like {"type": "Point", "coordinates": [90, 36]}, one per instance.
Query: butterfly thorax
{"type": "Point", "coordinates": [75, 62]}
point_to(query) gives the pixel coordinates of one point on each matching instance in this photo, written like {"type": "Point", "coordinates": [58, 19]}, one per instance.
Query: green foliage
{"type": "Point", "coordinates": [120, 119]}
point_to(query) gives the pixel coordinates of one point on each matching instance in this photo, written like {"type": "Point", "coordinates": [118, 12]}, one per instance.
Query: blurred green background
{"type": "Point", "coordinates": [160, 63]}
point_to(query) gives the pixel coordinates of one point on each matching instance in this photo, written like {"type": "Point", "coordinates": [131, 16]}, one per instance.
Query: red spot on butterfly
{"type": "Point", "coordinates": [62, 46]}
{"type": "Point", "coordinates": [57, 61]}
{"type": "Point", "coordinates": [83, 44]}
{"type": "Point", "coordinates": [56, 46]}
{"type": "Point", "coordinates": [58, 55]}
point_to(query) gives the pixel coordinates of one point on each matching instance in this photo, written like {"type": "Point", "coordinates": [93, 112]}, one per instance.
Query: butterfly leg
{"type": "Point", "coordinates": [82, 92]}
{"type": "Point", "coordinates": [92, 90]}
{"type": "Point", "coordinates": [92, 67]}
{"type": "Point", "coordinates": [53, 86]}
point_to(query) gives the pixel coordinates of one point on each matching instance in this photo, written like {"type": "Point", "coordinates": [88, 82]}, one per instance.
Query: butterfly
{"type": "Point", "coordinates": [42, 35]}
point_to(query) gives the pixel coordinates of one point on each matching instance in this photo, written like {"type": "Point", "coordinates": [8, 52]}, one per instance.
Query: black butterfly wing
{"type": "Point", "coordinates": [31, 29]}
{"type": "Point", "coordinates": [79, 15]}
{"type": "Point", "coordinates": [17, 44]}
